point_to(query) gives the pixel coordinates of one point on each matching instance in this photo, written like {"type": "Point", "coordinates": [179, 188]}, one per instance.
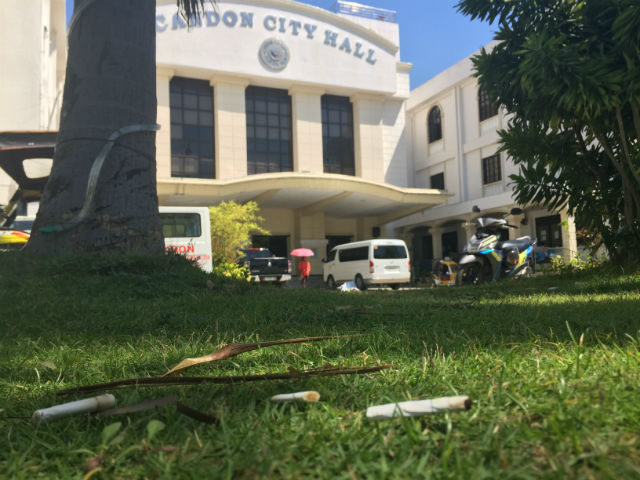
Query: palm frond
{"type": "Point", "coordinates": [190, 9]}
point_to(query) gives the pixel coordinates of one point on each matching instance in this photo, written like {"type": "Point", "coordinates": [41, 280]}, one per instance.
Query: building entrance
{"type": "Point", "coordinates": [278, 244]}
{"type": "Point", "coordinates": [335, 240]}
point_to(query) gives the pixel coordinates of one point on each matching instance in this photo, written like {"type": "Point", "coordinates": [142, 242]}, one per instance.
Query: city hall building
{"type": "Point", "coordinates": [307, 112]}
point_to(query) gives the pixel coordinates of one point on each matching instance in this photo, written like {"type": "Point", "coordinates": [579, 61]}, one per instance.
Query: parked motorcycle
{"type": "Point", "coordinates": [487, 258]}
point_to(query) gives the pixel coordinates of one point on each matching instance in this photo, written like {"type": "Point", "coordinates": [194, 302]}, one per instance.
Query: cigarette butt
{"type": "Point", "coordinates": [310, 396]}
{"type": "Point", "coordinates": [86, 405]}
{"type": "Point", "coordinates": [418, 407]}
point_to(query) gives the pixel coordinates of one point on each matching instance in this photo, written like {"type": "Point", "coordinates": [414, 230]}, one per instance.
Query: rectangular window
{"type": "Point", "coordinates": [269, 130]}
{"type": "Point", "coordinates": [354, 254]}
{"type": "Point", "coordinates": [437, 181]}
{"type": "Point", "coordinates": [549, 231]}
{"type": "Point", "coordinates": [337, 135]}
{"type": "Point", "coordinates": [486, 107]}
{"type": "Point", "coordinates": [191, 103]}
{"type": "Point", "coordinates": [491, 169]}
{"type": "Point", "coordinates": [180, 225]}
{"type": "Point", "coordinates": [389, 251]}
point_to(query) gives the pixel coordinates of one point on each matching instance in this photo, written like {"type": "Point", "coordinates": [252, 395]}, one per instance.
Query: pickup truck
{"type": "Point", "coordinates": [264, 267]}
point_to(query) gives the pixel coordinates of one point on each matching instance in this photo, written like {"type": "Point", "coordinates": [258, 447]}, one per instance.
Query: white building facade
{"type": "Point", "coordinates": [33, 56]}
{"type": "Point", "coordinates": [297, 108]}
{"type": "Point", "coordinates": [452, 126]}
{"type": "Point", "coordinates": [307, 112]}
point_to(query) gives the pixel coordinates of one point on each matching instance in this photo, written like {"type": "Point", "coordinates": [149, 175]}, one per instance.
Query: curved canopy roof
{"type": "Point", "coordinates": [339, 196]}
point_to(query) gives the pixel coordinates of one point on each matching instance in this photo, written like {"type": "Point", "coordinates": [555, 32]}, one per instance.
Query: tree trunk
{"type": "Point", "coordinates": [110, 84]}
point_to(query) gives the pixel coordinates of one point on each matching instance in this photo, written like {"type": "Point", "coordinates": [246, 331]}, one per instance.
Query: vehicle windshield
{"type": "Point", "coordinates": [24, 225]}
{"type": "Point", "coordinates": [256, 253]}
{"type": "Point", "coordinates": [180, 225]}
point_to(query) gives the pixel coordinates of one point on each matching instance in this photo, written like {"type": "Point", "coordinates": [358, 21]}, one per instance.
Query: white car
{"type": "Point", "coordinates": [369, 262]}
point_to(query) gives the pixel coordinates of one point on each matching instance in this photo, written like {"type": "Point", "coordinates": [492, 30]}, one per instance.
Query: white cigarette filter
{"type": "Point", "coordinates": [418, 407]}
{"type": "Point", "coordinates": [310, 396]}
{"type": "Point", "coordinates": [86, 405]}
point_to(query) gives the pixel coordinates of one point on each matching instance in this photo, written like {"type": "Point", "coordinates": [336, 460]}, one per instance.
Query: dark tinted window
{"type": "Point", "coordinates": [191, 128]}
{"type": "Point", "coordinates": [256, 253]}
{"type": "Point", "coordinates": [24, 225]}
{"type": "Point", "coordinates": [176, 225]}
{"type": "Point", "coordinates": [389, 251]}
{"type": "Point", "coordinates": [549, 231]}
{"type": "Point", "coordinates": [354, 254]}
{"type": "Point", "coordinates": [487, 108]}
{"type": "Point", "coordinates": [435, 125]}
{"type": "Point", "coordinates": [437, 181]}
{"type": "Point", "coordinates": [269, 131]}
{"type": "Point", "coordinates": [337, 135]}
{"type": "Point", "coordinates": [491, 169]}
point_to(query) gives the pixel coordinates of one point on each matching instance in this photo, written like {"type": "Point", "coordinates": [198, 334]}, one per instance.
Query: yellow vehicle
{"type": "Point", "coordinates": [444, 273]}
{"type": "Point", "coordinates": [12, 239]}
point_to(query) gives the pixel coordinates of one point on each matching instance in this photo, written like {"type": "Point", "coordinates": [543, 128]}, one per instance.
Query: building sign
{"type": "Point", "coordinates": [271, 23]}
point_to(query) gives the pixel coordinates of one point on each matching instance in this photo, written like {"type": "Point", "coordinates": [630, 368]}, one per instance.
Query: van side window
{"type": "Point", "coordinates": [354, 254]}
{"type": "Point", "coordinates": [389, 251]}
{"type": "Point", "coordinates": [176, 225]}
{"type": "Point", "coordinates": [332, 255]}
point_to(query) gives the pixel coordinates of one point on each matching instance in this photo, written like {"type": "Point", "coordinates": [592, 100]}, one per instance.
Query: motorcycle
{"type": "Point", "coordinates": [487, 258]}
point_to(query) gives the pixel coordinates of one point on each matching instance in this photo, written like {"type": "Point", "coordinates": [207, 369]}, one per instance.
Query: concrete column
{"type": "Point", "coordinates": [230, 126]}
{"type": "Point", "coordinates": [469, 229]}
{"type": "Point", "coordinates": [569, 240]}
{"type": "Point", "coordinates": [312, 235]}
{"type": "Point", "coordinates": [436, 238]}
{"type": "Point", "coordinates": [163, 136]}
{"type": "Point", "coordinates": [368, 137]}
{"type": "Point", "coordinates": [306, 113]}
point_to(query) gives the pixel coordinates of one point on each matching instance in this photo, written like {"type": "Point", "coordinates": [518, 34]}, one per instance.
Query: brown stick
{"type": "Point", "coordinates": [234, 349]}
{"type": "Point", "coordinates": [151, 381]}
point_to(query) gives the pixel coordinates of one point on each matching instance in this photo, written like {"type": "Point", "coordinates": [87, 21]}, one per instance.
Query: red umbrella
{"type": "Point", "coordinates": [302, 252]}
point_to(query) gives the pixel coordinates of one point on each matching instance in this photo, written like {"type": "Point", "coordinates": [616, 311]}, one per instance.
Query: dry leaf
{"type": "Point", "coordinates": [234, 349]}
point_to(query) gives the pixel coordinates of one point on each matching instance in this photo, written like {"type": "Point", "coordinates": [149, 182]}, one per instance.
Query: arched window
{"type": "Point", "coordinates": [435, 125]}
{"type": "Point", "coordinates": [486, 107]}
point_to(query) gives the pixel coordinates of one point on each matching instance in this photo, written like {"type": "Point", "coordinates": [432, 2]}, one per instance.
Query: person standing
{"type": "Point", "coordinates": [304, 267]}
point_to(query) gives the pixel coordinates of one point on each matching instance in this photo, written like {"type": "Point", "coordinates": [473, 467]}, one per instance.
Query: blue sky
{"type": "Point", "coordinates": [433, 36]}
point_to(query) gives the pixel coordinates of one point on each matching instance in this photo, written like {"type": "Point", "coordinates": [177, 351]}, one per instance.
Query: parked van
{"type": "Point", "coordinates": [369, 262]}
{"type": "Point", "coordinates": [23, 223]}
{"type": "Point", "coordinates": [187, 231]}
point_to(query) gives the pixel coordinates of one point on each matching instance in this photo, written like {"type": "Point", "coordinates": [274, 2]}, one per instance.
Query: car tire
{"type": "Point", "coordinates": [331, 283]}
{"type": "Point", "coordinates": [360, 284]}
{"type": "Point", "coordinates": [395, 286]}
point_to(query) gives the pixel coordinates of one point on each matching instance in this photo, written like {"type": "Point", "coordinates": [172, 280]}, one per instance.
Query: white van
{"type": "Point", "coordinates": [187, 231]}
{"type": "Point", "coordinates": [369, 262]}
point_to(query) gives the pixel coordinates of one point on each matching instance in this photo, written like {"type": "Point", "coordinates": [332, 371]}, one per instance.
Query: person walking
{"type": "Point", "coordinates": [304, 267]}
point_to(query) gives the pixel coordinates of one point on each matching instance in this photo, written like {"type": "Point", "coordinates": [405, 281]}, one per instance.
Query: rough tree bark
{"type": "Point", "coordinates": [110, 84]}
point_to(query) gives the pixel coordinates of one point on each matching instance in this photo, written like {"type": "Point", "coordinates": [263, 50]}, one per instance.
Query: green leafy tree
{"type": "Point", "coordinates": [231, 227]}
{"type": "Point", "coordinates": [109, 99]}
{"type": "Point", "coordinates": [568, 73]}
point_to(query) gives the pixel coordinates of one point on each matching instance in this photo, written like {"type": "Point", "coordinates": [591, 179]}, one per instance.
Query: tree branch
{"type": "Point", "coordinates": [636, 118]}
{"type": "Point", "coordinates": [585, 150]}
{"type": "Point", "coordinates": [630, 196]}
{"type": "Point", "coordinates": [166, 381]}
{"type": "Point", "coordinates": [625, 147]}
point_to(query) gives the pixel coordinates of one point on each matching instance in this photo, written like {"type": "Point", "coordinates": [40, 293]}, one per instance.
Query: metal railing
{"type": "Point", "coordinates": [352, 8]}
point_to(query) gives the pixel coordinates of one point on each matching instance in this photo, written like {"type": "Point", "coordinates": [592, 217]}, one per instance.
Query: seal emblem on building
{"type": "Point", "coordinates": [274, 54]}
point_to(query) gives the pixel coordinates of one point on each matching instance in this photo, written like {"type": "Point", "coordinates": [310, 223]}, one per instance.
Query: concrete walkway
{"type": "Point", "coordinates": [315, 281]}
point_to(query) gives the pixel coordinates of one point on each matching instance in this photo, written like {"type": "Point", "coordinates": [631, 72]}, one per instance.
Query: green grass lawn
{"type": "Point", "coordinates": [554, 375]}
